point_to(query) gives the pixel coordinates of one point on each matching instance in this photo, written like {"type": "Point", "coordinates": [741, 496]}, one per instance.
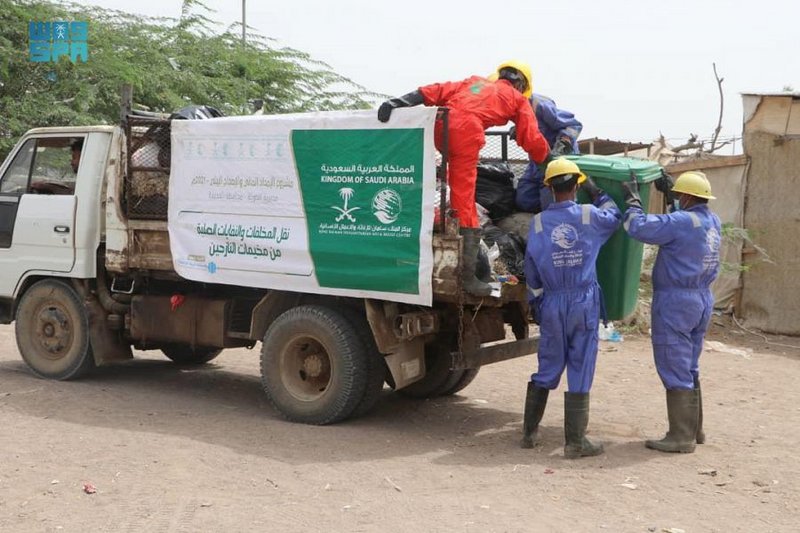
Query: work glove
{"type": "Point", "coordinates": [562, 146]}
{"type": "Point", "coordinates": [512, 133]}
{"type": "Point", "coordinates": [665, 183]}
{"type": "Point", "coordinates": [591, 188]}
{"type": "Point", "coordinates": [407, 100]}
{"type": "Point", "coordinates": [631, 192]}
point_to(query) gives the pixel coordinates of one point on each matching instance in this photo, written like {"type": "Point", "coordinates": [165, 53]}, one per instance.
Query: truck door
{"type": "Point", "coordinates": [37, 209]}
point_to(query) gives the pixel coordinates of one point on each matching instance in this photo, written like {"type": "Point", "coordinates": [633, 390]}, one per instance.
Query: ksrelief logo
{"type": "Point", "coordinates": [712, 240]}
{"type": "Point", "coordinates": [386, 206]}
{"type": "Point", "coordinates": [564, 235]}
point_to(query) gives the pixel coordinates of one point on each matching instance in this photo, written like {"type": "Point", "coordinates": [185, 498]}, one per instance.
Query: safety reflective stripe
{"type": "Point", "coordinates": [608, 205]}
{"type": "Point", "coordinates": [627, 224]}
{"type": "Point", "coordinates": [695, 219]}
{"type": "Point", "coordinates": [587, 214]}
{"type": "Point", "coordinates": [537, 223]}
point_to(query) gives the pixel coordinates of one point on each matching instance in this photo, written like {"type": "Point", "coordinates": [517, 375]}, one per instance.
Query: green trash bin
{"type": "Point", "coordinates": [620, 261]}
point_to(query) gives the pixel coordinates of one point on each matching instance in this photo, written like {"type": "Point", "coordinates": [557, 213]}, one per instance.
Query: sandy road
{"type": "Point", "coordinates": [177, 450]}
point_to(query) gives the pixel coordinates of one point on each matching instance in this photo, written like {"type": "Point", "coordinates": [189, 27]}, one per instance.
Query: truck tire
{"type": "Point", "coordinates": [467, 377]}
{"type": "Point", "coordinates": [185, 354]}
{"type": "Point", "coordinates": [314, 365]}
{"type": "Point", "coordinates": [438, 374]}
{"type": "Point", "coordinates": [376, 365]}
{"type": "Point", "coordinates": [52, 330]}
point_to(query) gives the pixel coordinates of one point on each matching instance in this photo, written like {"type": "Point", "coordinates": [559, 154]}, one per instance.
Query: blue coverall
{"type": "Point", "coordinates": [560, 272]}
{"type": "Point", "coordinates": [554, 123]}
{"type": "Point", "coordinates": [686, 264]}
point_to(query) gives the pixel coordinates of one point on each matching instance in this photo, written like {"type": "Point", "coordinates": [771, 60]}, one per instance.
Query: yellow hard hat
{"type": "Point", "coordinates": [523, 68]}
{"type": "Point", "coordinates": [562, 167]}
{"type": "Point", "coordinates": [694, 183]}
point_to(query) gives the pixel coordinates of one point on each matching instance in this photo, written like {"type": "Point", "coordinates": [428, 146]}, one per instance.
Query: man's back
{"type": "Point", "coordinates": [689, 241]}
{"type": "Point", "coordinates": [492, 103]}
{"type": "Point", "coordinates": [564, 242]}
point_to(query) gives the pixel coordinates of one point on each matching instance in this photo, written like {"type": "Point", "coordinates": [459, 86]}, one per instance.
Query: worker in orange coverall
{"type": "Point", "coordinates": [475, 104]}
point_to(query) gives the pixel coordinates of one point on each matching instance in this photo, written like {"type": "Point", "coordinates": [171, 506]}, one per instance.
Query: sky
{"type": "Point", "coordinates": [628, 70]}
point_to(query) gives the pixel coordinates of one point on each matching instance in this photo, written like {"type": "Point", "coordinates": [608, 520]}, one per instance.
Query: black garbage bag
{"type": "Point", "coordinates": [512, 248]}
{"type": "Point", "coordinates": [196, 112]}
{"type": "Point", "coordinates": [495, 189]}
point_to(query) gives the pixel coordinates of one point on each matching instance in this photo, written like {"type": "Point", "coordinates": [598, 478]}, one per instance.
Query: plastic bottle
{"type": "Point", "coordinates": [609, 333]}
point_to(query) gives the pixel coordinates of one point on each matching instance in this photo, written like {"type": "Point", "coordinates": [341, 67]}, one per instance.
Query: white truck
{"type": "Point", "coordinates": [87, 273]}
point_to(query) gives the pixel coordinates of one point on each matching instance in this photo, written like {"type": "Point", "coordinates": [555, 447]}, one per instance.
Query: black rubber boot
{"type": "Point", "coordinates": [682, 411]}
{"type": "Point", "coordinates": [535, 402]}
{"type": "Point", "coordinates": [701, 435]}
{"type": "Point", "coordinates": [576, 420]}
{"type": "Point", "coordinates": [474, 286]}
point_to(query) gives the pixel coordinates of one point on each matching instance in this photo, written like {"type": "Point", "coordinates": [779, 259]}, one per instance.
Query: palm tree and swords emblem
{"type": "Point", "coordinates": [344, 212]}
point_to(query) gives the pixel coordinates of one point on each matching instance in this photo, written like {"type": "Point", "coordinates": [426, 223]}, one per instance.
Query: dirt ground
{"type": "Point", "coordinates": [171, 449]}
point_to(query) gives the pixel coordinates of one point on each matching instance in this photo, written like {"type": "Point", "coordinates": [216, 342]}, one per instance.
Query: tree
{"type": "Point", "coordinates": [170, 63]}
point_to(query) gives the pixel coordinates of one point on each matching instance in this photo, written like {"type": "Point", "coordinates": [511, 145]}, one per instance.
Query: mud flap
{"type": "Point", "coordinates": [407, 362]}
{"type": "Point", "coordinates": [106, 344]}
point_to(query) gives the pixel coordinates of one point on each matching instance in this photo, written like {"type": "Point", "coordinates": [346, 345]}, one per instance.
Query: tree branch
{"type": "Point", "coordinates": [721, 105]}
{"type": "Point", "coordinates": [691, 143]}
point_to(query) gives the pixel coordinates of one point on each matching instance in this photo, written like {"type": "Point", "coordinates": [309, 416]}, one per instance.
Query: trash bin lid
{"type": "Point", "coordinates": [617, 168]}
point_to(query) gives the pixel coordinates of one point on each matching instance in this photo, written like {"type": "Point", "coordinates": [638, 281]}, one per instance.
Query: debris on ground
{"type": "Point", "coordinates": [716, 346]}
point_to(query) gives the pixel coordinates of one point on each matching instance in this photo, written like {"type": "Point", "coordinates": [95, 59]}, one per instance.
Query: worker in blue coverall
{"type": "Point", "coordinates": [686, 264]}
{"type": "Point", "coordinates": [565, 300]}
{"type": "Point", "coordinates": [561, 130]}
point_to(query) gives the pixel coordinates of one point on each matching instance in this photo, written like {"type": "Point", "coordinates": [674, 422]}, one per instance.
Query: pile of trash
{"type": "Point", "coordinates": [502, 254]}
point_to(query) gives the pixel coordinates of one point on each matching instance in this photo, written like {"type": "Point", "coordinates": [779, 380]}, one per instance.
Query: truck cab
{"type": "Point", "coordinates": [51, 217]}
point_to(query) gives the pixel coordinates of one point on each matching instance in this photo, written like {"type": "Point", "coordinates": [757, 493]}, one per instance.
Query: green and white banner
{"type": "Point", "coordinates": [330, 203]}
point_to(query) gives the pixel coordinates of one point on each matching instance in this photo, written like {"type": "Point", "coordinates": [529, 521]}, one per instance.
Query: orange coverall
{"type": "Point", "coordinates": [476, 104]}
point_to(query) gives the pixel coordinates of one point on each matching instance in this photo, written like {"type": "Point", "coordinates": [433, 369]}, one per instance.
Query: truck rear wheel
{"type": "Point", "coordinates": [314, 365]}
{"type": "Point", "coordinates": [52, 330]}
{"type": "Point", "coordinates": [376, 365]}
{"type": "Point", "coordinates": [467, 377]}
{"type": "Point", "coordinates": [439, 377]}
{"type": "Point", "coordinates": [184, 354]}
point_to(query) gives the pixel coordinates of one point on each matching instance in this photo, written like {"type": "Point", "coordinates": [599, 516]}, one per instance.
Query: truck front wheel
{"type": "Point", "coordinates": [314, 365]}
{"type": "Point", "coordinates": [52, 330]}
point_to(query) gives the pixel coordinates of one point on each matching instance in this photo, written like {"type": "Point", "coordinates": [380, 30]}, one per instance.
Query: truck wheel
{"type": "Point", "coordinates": [438, 374]}
{"type": "Point", "coordinates": [467, 377]}
{"type": "Point", "coordinates": [314, 365]}
{"type": "Point", "coordinates": [185, 354]}
{"type": "Point", "coordinates": [52, 330]}
{"type": "Point", "coordinates": [376, 365]}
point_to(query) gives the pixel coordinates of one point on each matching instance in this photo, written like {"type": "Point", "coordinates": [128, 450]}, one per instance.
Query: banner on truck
{"type": "Point", "coordinates": [329, 203]}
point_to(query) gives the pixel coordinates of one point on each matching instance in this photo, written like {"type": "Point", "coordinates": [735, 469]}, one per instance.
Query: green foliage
{"type": "Point", "coordinates": [170, 63]}
{"type": "Point", "coordinates": [734, 235]}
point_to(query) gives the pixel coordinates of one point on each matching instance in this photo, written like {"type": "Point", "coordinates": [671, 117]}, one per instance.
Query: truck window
{"type": "Point", "coordinates": [55, 165]}
{"type": "Point", "coordinates": [15, 180]}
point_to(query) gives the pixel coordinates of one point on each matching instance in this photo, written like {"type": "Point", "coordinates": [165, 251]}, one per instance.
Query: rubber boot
{"type": "Point", "coordinates": [472, 285]}
{"type": "Point", "coordinates": [701, 435]}
{"type": "Point", "coordinates": [576, 420]}
{"type": "Point", "coordinates": [535, 402]}
{"type": "Point", "coordinates": [682, 411]}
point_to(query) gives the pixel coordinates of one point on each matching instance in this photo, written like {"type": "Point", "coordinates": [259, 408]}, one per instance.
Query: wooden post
{"type": "Point", "coordinates": [125, 103]}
